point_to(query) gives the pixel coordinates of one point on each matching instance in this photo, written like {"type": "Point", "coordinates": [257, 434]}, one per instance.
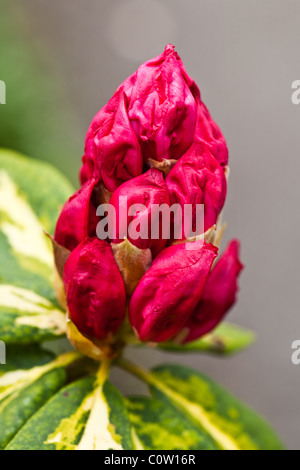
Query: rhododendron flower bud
{"type": "Point", "coordinates": [112, 151]}
{"type": "Point", "coordinates": [162, 108]}
{"type": "Point", "coordinates": [142, 231]}
{"type": "Point", "coordinates": [170, 290]}
{"type": "Point", "coordinates": [156, 114]}
{"type": "Point", "coordinates": [208, 133]}
{"type": "Point", "coordinates": [218, 295]}
{"type": "Point", "coordinates": [78, 218]}
{"type": "Point", "coordinates": [197, 179]}
{"type": "Point", "coordinates": [95, 289]}
{"type": "Point", "coordinates": [137, 217]}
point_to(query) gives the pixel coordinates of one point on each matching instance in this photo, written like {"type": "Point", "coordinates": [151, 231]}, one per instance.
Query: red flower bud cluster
{"type": "Point", "coordinates": [153, 144]}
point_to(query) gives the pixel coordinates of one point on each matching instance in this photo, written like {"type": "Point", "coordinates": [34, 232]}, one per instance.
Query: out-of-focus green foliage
{"type": "Point", "coordinates": [36, 118]}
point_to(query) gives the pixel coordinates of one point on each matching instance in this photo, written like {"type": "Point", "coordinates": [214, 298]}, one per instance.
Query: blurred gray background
{"type": "Point", "coordinates": [244, 55]}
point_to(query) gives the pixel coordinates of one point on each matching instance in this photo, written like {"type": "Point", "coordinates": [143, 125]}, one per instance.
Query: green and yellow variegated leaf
{"type": "Point", "coordinates": [20, 357]}
{"type": "Point", "coordinates": [158, 425]}
{"type": "Point", "coordinates": [25, 389]}
{"type": "Point", "coordinates": [31, 195]}
{"type": "Point", "coordinates": [82, 416]}
{"type": "Point", "coordinates": [231, 424]}
{"type": "Point", "coordinates": [28, 317]}
{"type": "Point", "coordinates": [226, 339]}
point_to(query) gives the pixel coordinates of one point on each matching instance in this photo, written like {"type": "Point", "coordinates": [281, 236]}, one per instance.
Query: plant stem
{"type": "Point", "coordinates": [103, 371]}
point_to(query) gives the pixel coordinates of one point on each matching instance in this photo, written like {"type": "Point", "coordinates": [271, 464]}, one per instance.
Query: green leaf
{"type": "Point", "coordinates": [231, 424]}
{"type": "Point", "coordinates": [226, 339]}
{"type": "Point", "coordinates": [82, 416]}
{"type": "Point", "coordinates": [159, 426]}
{"type": "Point", "coordinates": [24, 390]}
{"type": "Point", "coordinates": [31, 196]}
{"type": "Point", "coordinates": [24, 358]}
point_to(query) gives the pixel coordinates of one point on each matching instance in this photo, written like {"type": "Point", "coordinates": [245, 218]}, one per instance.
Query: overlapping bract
{"type": "Point", "coordinates": [153, 143]}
